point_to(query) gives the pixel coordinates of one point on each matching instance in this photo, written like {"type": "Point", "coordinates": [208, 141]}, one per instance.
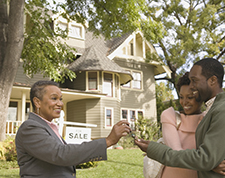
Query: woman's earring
{"type": "Point", "coordinates": [37, 110]}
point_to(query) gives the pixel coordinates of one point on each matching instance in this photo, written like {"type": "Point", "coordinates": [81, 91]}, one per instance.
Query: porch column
{"type": "Point", "coordinates": [23, 106]}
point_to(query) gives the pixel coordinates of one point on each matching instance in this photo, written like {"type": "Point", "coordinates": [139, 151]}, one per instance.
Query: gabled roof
{"type": "Point", "coordinates": [119, 43]}
{"type": "Point", "coordinates": [116, 42]}
{"type": "Point", "coordinates": [95, 60]}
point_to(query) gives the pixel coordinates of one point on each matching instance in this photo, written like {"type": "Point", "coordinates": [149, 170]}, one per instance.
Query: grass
{"type": "Point", "coordinates": [9, 169]}
{"type": "Point", "coordinates": [127, 163]}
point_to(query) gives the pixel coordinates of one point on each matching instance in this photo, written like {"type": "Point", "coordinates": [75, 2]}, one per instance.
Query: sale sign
{"type": "Point", "coordinates": [77, 135]}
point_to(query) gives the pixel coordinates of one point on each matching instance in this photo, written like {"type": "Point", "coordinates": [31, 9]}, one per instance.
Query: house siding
{"type": "Point", "coordinates": [78, 83]}
{"type": "Point", "coordinates": [92, 111]}
{"type": "Point", "coordinates": [139, 99]}
{"type": "Point", "coordinates": [86, 111]}
{"type": "Point", "coordinates": [76, 111]}
{"type": "Point", "coordinates": [21, 77]}
{"type": "Point", "coordinates": [94, 116]}
{"type": "Point", "coordinates": [110, 103]}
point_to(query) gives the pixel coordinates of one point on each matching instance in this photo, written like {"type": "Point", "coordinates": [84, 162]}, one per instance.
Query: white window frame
{"type": "Point", "coordinates": [117, 91]}
{"type": "Point", "coordinates": [87, 81]}
{"type": "Point", "coordinates": [69, 25]}
{"type": "Point", "coordinates": [112, 86]}
{"type": "Point", "coordinates": [112, 117]}
{"type": "Point", "coordinates": [19, 109]}
{"type": "Point", "coordinates": [130, 85]}
{"type": "Point", "coordinates": [63, 23]}
{"type": "Point", "coordinates": [139, 81]}
{"type": "Point", "coordinates": [70, 34]}
{"type": "Point", "coordinates": [128, 114]}
{"type": "Point", "coordinates": [122, 114]}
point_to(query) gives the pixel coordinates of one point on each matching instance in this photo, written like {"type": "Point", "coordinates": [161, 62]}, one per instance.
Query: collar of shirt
{"type": "Point", "coordinates": [209, 103]}
{"type": "Point", "coordinates": [52, 125]}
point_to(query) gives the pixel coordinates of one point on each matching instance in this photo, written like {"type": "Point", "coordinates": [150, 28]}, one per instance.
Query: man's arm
{"type": "Point", "coordinates": [208, 155]}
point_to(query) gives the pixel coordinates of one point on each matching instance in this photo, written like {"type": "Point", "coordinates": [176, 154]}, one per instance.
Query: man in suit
{"type": "Point", "coordinates": [206, 78]}
{"type": "Point", "coordinates": [41, 152]}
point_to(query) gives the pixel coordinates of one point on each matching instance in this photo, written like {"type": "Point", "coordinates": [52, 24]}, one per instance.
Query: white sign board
{"type": "Point", "coordinates": [78, 135]}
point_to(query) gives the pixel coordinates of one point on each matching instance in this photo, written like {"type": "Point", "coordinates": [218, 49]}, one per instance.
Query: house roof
{"type": "Point", "coordinates": [116, 42]}
{"type": "Point", "coordinates": [68, 94]}
{"type": "Point", "coordinates": [95, 60]}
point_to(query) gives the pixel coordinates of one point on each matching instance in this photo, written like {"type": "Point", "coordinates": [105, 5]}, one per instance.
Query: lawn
{"type": "Point", "coordinates": [127, 163]}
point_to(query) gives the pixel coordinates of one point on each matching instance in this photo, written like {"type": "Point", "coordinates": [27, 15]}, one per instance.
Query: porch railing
{"type": "Point", "coordinates": [12, 127]}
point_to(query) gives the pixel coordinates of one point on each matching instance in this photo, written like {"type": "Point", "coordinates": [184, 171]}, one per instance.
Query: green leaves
{"type": "Point", "coordinates": [110, 18]}
{"type": "Point", "coordinates": [44, 51]}
{"type": "Point", "coordinates": [184, 31]}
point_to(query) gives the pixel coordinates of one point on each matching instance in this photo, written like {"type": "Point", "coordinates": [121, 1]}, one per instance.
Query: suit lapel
{"type": "Point", "coordinates": [45, 125]}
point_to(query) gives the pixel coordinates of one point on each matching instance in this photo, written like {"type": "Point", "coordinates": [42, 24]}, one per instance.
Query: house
{"type": "Point", "coordinates": [113, 81]}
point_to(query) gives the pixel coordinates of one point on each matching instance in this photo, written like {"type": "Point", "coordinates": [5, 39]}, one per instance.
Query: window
{"type": "Point", "coordinates": [12, 111]}
{"type": "Point", "coordinates": [124, 114]}
{"type": "Point", "coordinates": [131, 115]}
{"type": "Point", "coordinates": [127, 85]}
{"type": "Point", "coordinates": [117, 87]}
{"type": "Point", "coordinates": [63, 26]}
{"type": "Point", "coordinates": [140, 114]}
{"type": "Point", "coordinates": [108, 84]}
{"type": "Point", "coordinates": [108, 117]}
{"type": "Point", "coordinates": [27, 110]}
{"type": "Point", "coordinates": [131, 49]}
{"type": "Point", "coordinates": [92, 81]}
{"type": "Point", "coordinates": [136, 82]}
{"type": "Point", "coordinates": [75, 31]}
{"type": "Point", "coordinates": [132, 119]}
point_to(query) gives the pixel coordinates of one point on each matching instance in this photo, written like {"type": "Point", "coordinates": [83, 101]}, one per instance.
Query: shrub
{"type": "Point", "coordinates": [87, 165]}
{"type": "Point", "coordinates": [8, 149]}
{"type": "Point", "coordinates": [127, 142]}
{"type": "Point", "coordinates": [147, 129]}
{"type": "Point", "coordinates": [2, 151]}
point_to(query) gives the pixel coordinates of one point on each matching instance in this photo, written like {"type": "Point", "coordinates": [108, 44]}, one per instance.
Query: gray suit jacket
{"type": "Point", "coordinates": [41, 154]}
{"type": "Point", "coordinates": [209, 142]}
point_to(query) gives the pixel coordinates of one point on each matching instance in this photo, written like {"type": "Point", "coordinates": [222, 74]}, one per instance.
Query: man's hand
{"type": "Point", "coordinates": [220, 169]}
{"type": "Point", "coordinates": [142, 144]}
{"type": "Point", "coordinates": [119, 130]}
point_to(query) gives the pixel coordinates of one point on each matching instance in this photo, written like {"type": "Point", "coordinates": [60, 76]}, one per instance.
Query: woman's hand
{"type": "Point", "coordinates": [119, 130]}
{"type": "Point", "coordinates": [220, 169]}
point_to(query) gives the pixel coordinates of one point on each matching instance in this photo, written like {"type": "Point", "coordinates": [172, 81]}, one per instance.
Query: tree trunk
{"type": "Point", "coordinates": [11, 45]}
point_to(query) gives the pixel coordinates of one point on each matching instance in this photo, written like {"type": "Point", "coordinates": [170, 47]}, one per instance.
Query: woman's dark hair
{"type": "Point", "coordinates": [38, 89]}
{"type": "Point", "coordinates": [183, 80]}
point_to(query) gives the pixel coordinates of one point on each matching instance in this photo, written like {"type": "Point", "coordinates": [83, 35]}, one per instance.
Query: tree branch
{"type": "Point", "coordinates": [221, 54]}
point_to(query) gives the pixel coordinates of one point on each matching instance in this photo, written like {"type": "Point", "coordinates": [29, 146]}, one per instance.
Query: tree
{"type": "Point", "coordinates": [39, 46]}
{"type": "Point", "coordinates": [183, 30]}
{"type": "Point", "coordinates": [11, 45]}
{"type": "Point", "coordinates": [113, 18]}
{"type": "Point", "coordinates": [193, 30]}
